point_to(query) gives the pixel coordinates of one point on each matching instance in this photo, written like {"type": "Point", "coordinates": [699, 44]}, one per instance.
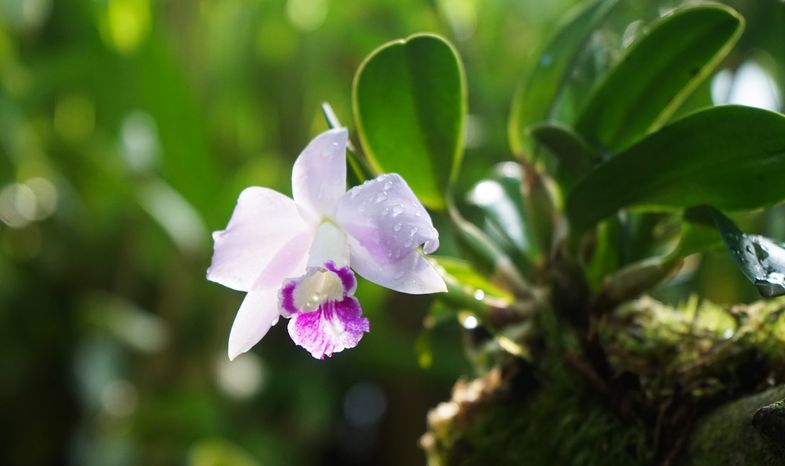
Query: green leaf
{"type": "Point", "coordinates": [572, 156]}
{"type": "Point", "coordinates": [499, 198]}
{"type": "Point", "coordinates": [484, 253]}
{"type": "Point", "coordinates": [658, 72]}
{"type": "Point", "coordinates": [634, 279]}
{"type": "Point", "coordinates": [467, 290]}
{"type": "Point", "coordinates": [535, 97]}
{"type": "Point", "coordinates": [606, 256]}
{"type": "Point", "coordinates": [541, 201]}
{"type": "Point", "coordinates": [730, 157]}
{"type": "Point", "coordinates": [409, 105]}
{"type": "Point", "coordinates": [698, 233]}
{"type": "Point", "coordinates": [460, 275]}
{"type": "Point", "coordinates": [760, 259]}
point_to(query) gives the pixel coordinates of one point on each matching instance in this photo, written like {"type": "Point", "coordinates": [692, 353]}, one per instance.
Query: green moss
{"type": "Point", "coordinates": [520, 414]}
{"type": "Point", "coordinates": [662, 360]}
{"type": "Point", "coordinates": [557, 425]}
{"type": "Point", "coordinates": [700, 347]}
{"type": "Point", "coordinates": [727, 437]}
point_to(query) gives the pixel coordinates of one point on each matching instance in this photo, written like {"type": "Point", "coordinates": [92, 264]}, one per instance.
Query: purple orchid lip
{"type": "Point", "coordinates": [345, 274]}
{"type": "Point", "coordinates": [325, 316]}
{"type": "Point", "coordinates": [318, 285]}
{"type": "Point", "coordinates": [334, 327]}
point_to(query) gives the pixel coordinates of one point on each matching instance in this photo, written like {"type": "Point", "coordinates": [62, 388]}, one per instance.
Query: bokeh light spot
{"type": "Point", "coordinates": [364, 405]}
{"type": "Point", "coordinates": [139, 139]}
{"type": "Point", "coordinates": [119, 398]}
{"type": "Point", "coordinates": [751, 85]}
{"type": "Point", "coordinates": [127, 23]}
{"type": "Point", "coordinates": [306, 15]}
{"type": "Point", "coordinates": [241, 378]}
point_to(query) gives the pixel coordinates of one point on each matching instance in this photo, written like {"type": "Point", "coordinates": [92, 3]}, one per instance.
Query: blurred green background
{"type": "Point", "coordinates": [127, 130]}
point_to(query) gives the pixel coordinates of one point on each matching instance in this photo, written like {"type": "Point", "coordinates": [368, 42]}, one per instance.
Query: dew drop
{"type": "Point", "coordinates": [397, 210]}
{"type": "Point", "coordinates": [381, 197]}
{"type": "Point", "coordinates": [397, 226]}
{"type": "Point", "coordinates": [387, 185]}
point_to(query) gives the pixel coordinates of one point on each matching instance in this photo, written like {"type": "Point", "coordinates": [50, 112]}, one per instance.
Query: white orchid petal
{"type": "Point", "coordinates": [411, 274]}
{"type": "Point", "coordinates": [262, 223]}
{"type": "Point", "coordinates": [289, 261]}
{"type": "Point", "coordinates": [329, 244]}
{"type": "Point", "coordinates": [386, 224]}
{"type": "Point", "coordinates": [258, 312]}
{"type": "Point", "coordinates": [319, 174]}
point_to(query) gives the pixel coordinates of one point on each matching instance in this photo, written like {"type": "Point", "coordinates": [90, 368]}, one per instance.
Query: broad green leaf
{"type": "Point", "coordinates": [572, 156]}
{"type": "Point", "coordinates": [760, 259]}
{"type": "Point", "coordinates": [409, 105]}
{"type": "Point", "coordinates": [535, 97]}
{"type": "Point", "coordinates": [730, 157]}
{"type": "Point", "coordinates": [657, 73]}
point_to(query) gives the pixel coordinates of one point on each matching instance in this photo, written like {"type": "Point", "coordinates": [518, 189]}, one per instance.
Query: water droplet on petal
{"type": "Point", "coordinates": [381, 197]}
{"type": "Point", "coordinates": [397, 226]}
{"type": "Point", "coordinates": [397, 210]}
{"type": "Point", "coordinates": [387, 185]}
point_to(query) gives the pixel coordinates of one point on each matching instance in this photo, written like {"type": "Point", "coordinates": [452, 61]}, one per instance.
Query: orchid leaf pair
{"type": "Point", "coordinates": [297, 257]}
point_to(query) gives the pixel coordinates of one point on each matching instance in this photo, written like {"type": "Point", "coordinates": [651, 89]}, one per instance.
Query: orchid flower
{"type": "Point", "coordinates": [296, 258]}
